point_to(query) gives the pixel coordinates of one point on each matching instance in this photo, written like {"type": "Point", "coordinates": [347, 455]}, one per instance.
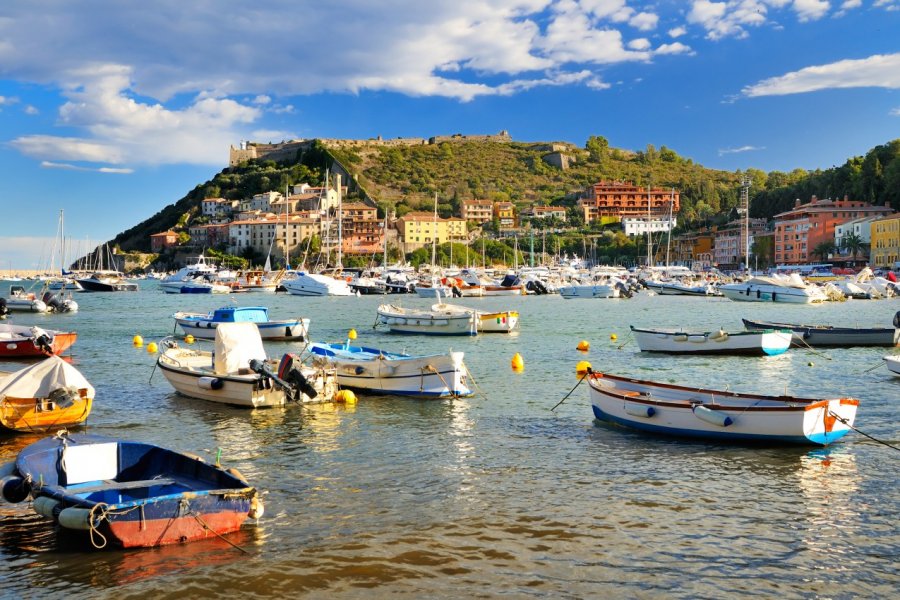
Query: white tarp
{"type": "Point", "coordinates": [40, 379]}
{"type": "Point", "coordinates": [236, 345]}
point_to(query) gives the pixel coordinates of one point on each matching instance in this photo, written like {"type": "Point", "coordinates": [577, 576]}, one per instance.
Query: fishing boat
{"type": "Point", "coordinates": [203, 325]}
{"type": "Point", "coordinates": [504, 321]}
{"type": "Point", "coordinates": [835, 337]}
{"type": "Point", "coordinates": [133, 494]}
{"type": "Point", "coordinates": [678, 341]}
{"type": "Point", "coordinates": [46, 395]}
{"type": "Point", "coordinates": [23, 341]}
{"type": "Point", "coordinates": [774, 289]}
{"type": "Point", "coordinates": [719, 415]}
{"type": "Point", "coordinates": [429, 322]}
{"type": "Point", "coordinates": [375, 370]}
{"type": "Point", "coordinates": [238, 372]}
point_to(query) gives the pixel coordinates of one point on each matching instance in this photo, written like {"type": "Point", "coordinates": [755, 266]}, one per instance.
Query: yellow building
{"type": "Point", "coordinates": [884, 249]}
{"type": "Point", "coordinates": [419, 229]}
{"type": "Point", "coordinates": [505, 212]}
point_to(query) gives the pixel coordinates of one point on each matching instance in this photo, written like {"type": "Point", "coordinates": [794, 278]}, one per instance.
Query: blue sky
{"type": "Point", "coordinates": [112, 110]}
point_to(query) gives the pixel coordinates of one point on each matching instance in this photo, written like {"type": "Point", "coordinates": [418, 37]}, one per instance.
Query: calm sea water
{"type": "Point", "coordinates": [493, 495]}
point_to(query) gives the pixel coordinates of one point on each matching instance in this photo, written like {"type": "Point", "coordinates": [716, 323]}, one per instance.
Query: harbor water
{"type": "Point", "coordinates": [492, 495]}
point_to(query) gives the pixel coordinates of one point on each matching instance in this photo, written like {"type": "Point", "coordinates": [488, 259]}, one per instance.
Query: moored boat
{"type": "Point", "coordinates": [133, 494]}
{"type": "Point", "coordinates": [303, 283]}
{"type": "Point", "coordinates": [834, 336]}
{"type": "Point", "coordinates": [719, 415]}
{"type": "Point", "coordinates": [504, 321]}
{"type": "Point", "coordinates": [203, 325]}
{"type": "Point", "coordinates": [893, 363]}
{"type": "Point", "coordinates": [678, 341]}
{"type": "Point", "coordinates": [21, 301]}
{"type": "Point", "coordinates": [239, 373]}
{"type": "Point", "coordinates": [429, 322]}
{"type": "Point", "coordinates": [106, 281]}
{"type": "Point", "coordinates": [45, 395]}
{"type": "Point", "coordinates": [23, 341]}
{"type": "Point", "coordinates": [375, 370]}
{"type": "Point", "coordinates": [773, 289]}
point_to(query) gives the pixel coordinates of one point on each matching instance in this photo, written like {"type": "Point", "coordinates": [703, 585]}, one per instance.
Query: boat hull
{"type": "Point", "coordinates": [435, 376]}
{"type": "Point", "coordinates": [400, 320]}
{"type": "Point", "coordinates": [833, 337]}
{"type": "Point", "coordinates": [287, 329]}
{"type": "Point", "coordinates": [20, 346]}
{"type": "Point", "coordinates": [759, 343]}
{"type": "Point", "coordinates": [29, 415]}
{"type": "Point", "coordinates": [725, 416]}
{"type": "Point", "coordinates": [498, 322]}
{"type": "Point", "coordinates": [588, 291]}
{"type": "Point", "coordinates": [767, 293]}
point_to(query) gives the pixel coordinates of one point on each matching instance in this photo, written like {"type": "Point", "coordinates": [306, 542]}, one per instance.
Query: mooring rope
{"type": "Point", "coordinates": [871, 437]}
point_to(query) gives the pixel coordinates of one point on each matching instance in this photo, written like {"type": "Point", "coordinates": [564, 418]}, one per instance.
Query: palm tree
{"type": "Point", "coordinates": [823, 249]}
{"type": "Point", "coordinates": [853, 243]}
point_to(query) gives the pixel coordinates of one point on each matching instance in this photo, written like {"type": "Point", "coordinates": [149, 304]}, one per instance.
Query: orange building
{"type": "Point", "coordinates": [614, 200]}
{"type": "Point", "coordinates": [479, 211]}
{"type": "Point", "coordinates": [800, 230]}
{"type": "Point", "coordinates": [694, 247]}
{"type": "Point", "coordinates": [163, 240]}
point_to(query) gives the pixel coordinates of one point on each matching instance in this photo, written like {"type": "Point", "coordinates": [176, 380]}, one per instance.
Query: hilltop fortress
{"type": "Point", "coordinates": [289, 149]}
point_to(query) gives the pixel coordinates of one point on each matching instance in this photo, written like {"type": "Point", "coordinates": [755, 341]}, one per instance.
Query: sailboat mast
{"type": "Point", "coordinates": [745, 202]}
{"type": "Point", "coordinates": [434, 236]}
{"type": "Point", "coordinates": [649, 241]}
{"type": "Point", "coordinates": [669, 225]}
{"type": "Point", "coordinates": [340, 216]}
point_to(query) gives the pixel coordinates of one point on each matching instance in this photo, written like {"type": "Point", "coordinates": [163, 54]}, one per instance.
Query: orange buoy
{"type": "Point", "coordinates": [584, 345]}
{"type": "Point", "coordinates": [152, 348]}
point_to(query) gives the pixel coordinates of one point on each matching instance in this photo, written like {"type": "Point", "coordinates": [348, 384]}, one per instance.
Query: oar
{"type": "Point", "coordinates": [586, 373]}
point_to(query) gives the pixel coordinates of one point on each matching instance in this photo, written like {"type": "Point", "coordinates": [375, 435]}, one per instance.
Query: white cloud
{"type": "Point", "coordinates": [69, 167]}
{"type": "Point", "coordinates": [875, 71]}
{"type": "Point", "coordinates": [262, 100]}
{"type": "Point", "coordinates": [31, 110]}
{"type": "Point", "coordinates": [810, 10]}
{"type": "Point", "coordinates": [888, 4]}
{"type": "Point", "coordinates": [739, 150]}
{"type": "Point", "coordinates": [673, 48]}
{"type": "Point", "coordinates": [895, 112]}
{"type": "Point", "coordinates": [644, 21]}
{"type": "Point", "coordinates": [639, 44]}
{"type": "Point", "coordinates": [677, 32]}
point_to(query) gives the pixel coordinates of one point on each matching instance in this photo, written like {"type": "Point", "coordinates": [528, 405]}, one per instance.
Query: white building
{"type": "Point", "coordinates": [639, 226]}
{"type": "Point", "coordinates": [861, 227]}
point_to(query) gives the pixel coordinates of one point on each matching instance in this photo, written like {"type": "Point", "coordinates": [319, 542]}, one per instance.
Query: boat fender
{"type": "Point", "coordinates": [210, 383]}
{"type": "Point", "coordinates": [14, 488]}
{"type": "Point", "coordinates": [719, 336]}
{"type": "Point", "coordinates": [47, 507]}
{"type": "Point", "coordinates": [639, 410]}
{"type": "Point", "coordinates": [75, 518]}
{"type": "Point", "coordinates": [235, 473]}
{"type": "Point", "coordinates": [256, 507]}
{"type": "Point", "coordinates": [711, 416]}
{"type": "Point", "coordinates": [897, 319]}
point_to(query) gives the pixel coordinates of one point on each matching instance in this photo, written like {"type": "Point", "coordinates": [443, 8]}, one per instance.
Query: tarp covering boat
{"type": "Point", "coordinates": [236, 345]}
{"type": "Point", "coordinates": [44, 378]}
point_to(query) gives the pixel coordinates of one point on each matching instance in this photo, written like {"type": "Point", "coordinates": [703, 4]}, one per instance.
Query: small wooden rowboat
{"type": "Point", "coordinates": [835, 337]}
{"type": "Point", "coordinates": [22, 341]}
{"type": "Point", "coordinates": [47, 395]}
{"type": "Point", "coordinates": [203, 325]}
{"type": "Point", "coordinates": [721, 415]}
{"type": "Point", "coordinates": [130, 493]}
{"type": "Point", "coordinates": [762, 342]}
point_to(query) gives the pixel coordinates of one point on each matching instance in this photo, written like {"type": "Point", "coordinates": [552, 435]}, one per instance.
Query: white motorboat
{"type": "Point", "coordinates": [204, 325]}
{"type": "Point", "coordinates": [201, 277]}
{"type": "Point", "coordinates": [893, 363]}
{"type": "Point", "coordinates": [304, 283]}
{"type": "Point", "coordinates": [773, 289]}
{"type": "Point", "coordinates": [239, 373]}
{"type": "Point", "coordinates": [21, 301]}
{"type": "Point", "coordinates": [374, 370]}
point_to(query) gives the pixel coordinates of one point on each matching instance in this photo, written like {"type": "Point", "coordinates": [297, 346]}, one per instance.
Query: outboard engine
{"type": "Point", "coordinates": [897, 319]}
{"type": "Point", "coordinates": [53, 302]}
{"type": "Point", "coordinates": [290, 370]}
{"type": "Point", "coordinates": [3, 309]}
{"type": "Point", "coordinates": [456, 291]}
{"type": "Point", "coordinates": [43, 341]}
{"type": "Point", "coordinates": [623, 289]}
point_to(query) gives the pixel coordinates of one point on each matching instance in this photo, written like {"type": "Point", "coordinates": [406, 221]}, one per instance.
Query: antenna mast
{"type": "Point", "coordinates": [745, 206]}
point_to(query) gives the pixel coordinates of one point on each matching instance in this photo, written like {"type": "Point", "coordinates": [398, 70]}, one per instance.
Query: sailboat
{"type": "Point", "coordinates": [105, 279]}
{"type": "Point", "coordinates": [435, 287]}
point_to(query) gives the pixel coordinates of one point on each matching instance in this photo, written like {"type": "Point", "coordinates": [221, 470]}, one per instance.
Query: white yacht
{"type": "Point", "coordinates": [304, 283]}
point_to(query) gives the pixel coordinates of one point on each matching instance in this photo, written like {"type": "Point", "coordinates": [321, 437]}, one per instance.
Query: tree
{"type": "Point", "coordinates": [597, 147]}
{"type": "Point", "coordinates": [823, 249]}
{"type": "Point", "coordinates": [854, 244]}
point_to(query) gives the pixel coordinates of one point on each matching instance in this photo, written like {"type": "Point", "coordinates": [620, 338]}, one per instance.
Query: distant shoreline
{"type": "Point", "coordinates": [20, 273]}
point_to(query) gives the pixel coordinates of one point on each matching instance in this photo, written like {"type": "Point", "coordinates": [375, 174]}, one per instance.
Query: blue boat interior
{"type": "Point", "coordinates": [347, 351]}
{"type": "Point", "coordinates": [241, 314]}
{"type": "Point", "coordinates": [119, 472]}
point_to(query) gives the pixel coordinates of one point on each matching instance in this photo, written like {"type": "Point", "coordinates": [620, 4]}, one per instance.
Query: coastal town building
{"type": "Point", "coordinates": [884, 249]}
{"type": "Point", "coordinates": [545, 212]}
{"type": "Point", "coordinates": [693, 249]}
{"type": "Point", "coordinates": [161, 241]}
{"type": "Point", "coordinates": [478, 211]}
{"type": "Point", "coordinates": [612, 201]}
{"type": "Point", "coordinates": [505, 213]}
{"type": "Point", "coordinates": [418, 229]}
{"type": "Point", "coordinates": [636, 226]}
{"type": "Point", "coordinates": [800, 230]}
{"type": "Point", "coordinates": [730, 242]}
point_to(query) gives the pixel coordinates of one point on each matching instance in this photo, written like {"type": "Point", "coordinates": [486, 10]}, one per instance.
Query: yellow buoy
{"type": "Point", "coordinates": [138, 341]}
{"type": "Point", "coordinates": [188, 339]}
{"type": "Point", "coordinates": [345, 397]}
{"type": "Point", "coordinates": [613, 337]}
{"type": "Point", "coordinates": [582, 367]}
{"type": "Point", "coordinates": [517, 363]}
{"type": "Point", "coordinates": [810, 364]}
{"type": "Point", "coordinates": [351, 334]}
{"type": "Point", "coordinates": [152, 348]}
{"type": "Point", "coordinates": [584, 346]}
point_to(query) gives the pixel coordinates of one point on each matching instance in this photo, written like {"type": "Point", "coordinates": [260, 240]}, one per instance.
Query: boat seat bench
{"type": "Point", "coordinates": [122, 485]}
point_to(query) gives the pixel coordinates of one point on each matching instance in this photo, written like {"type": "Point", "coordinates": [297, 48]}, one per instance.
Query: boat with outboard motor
{"type": "Point", "coordinates": [380, 371]}
{"type": "Point", "coordinates": [203, 325]}
{"type": "Point", "coordinates": [133, 494]}
{"type": "Point", "coordinates": [49, 394]}
{"type": "Point", "coordinates": [727, 416]}
{"type": "Point", "coordinates": [238, 372]}
{"type": "Point", "coordinates": [25, 341]}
